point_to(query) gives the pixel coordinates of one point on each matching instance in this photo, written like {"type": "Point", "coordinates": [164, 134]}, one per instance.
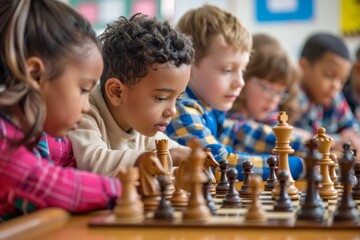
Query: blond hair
{"type": "Point", "coordinates": [209, 22]}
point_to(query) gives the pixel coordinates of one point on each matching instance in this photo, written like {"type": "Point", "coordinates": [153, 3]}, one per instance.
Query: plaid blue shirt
{"type": "Point", "coordinates": [353, 99]}
{"type": "Point", "coordinates": [335, 117]}
{"type": "Point", "coordinates": [224, 136]}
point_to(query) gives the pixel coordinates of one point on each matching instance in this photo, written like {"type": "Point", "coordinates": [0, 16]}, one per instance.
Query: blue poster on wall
{"type": "Point", "coordinates": [284, 10]}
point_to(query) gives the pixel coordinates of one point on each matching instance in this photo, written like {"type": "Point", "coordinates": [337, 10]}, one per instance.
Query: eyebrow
{"type": "Point", "coordinates": [164, 90]}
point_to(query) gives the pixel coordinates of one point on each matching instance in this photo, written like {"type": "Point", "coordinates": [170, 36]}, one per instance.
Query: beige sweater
{"type": "Point", "coordinates": [101, 146]}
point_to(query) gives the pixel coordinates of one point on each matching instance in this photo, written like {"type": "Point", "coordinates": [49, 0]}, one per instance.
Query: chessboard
{"type": "Point", "coordinates": [234, 217]}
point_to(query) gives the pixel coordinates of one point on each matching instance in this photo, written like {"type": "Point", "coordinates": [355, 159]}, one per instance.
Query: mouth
{"type": "Point", "coordinates": [161, 126]}
{"type": "Point", "coordinates": [231, 97]}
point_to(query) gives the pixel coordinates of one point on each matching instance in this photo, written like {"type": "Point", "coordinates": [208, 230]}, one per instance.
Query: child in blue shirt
{"type": "Point", "coordinates": [222, 46]}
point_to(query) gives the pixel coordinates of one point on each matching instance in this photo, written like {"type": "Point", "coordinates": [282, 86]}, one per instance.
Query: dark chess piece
{"type": "Point", "coordinates": [347, 208]}
{"type": "Point", "coordinates": [270, 182]}
{"type": "Point", "coordinates": [232, 199]}
{"type": "Point", "coordinates": [356, 187]}
{"type": "Point", "coordinates": [245, 190]}
{"type": "Point", "coordinates": [207, 195]}
{"type": "Point", "coordinates": [223, 185]}
{"type": "Point", "coordinates": [283, 203]}
{"type": "Point", "coordinates": [164, 210]}
{"type": "Point", "coordinates": [312, 208]}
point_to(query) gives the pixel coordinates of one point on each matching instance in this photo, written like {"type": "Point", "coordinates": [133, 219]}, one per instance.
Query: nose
{"type": "Point", "coordinates": [238, 81]}
{"type": "Point", "coordinates": [170, 110]}
{"type": "Point", "coordinates": [85, 105]}
{"type": "Point", "coordinates": [337, 85]}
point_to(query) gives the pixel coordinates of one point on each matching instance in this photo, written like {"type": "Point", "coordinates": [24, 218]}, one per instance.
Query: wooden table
{"type": "Point", "coordinates": [56, 224]}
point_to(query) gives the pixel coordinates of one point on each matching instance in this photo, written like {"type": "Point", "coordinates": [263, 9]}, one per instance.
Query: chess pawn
{"type": "Point", "coordinates": [232, 199]}
{"type": "Point", "coordinates": [347, 208]}
{"type": "Point", "coordinates": [356, 187]}
{"type": "Point", "coordinates": [179, 199]}
{"type": "Point", "coordinates": [283, 203]}
{"type": "Point", "coordinates": [282, 148]}
{"type": "Point", "coordinates": [326, 190]}
{"type": "Point", "coordinates": [128, 206]}
{"type": "Point", "coordinates": [270, 182]}
{"type": "Point", "coordinates": [332, 170]}
{"type": "Point", "coordinates": [255, 211]}
{"type": "Point", "coordinates": [166, 161]}
{"type": "Point", "coordinates": [223, 185]}
{"type": "Point", "coordinates": [164, 210]}
{"type": "Point", "coordinates": [311, 208]}
{"type": "Point", "coordinates": [245, 190]}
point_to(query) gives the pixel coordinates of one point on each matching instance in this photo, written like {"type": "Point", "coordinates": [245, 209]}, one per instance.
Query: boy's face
{"type": "Point", "coordinates": [324, 78]}
{"type": "Point", "coordinates": [149, 106]}
{"type": "Point", "coordinates": [218, 78]}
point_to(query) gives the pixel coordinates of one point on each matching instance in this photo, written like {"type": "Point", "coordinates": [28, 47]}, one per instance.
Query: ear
{"type": "Point", "coordinates": [114, 90]}
{"type": "Point", "coordinates": [304, 64]}
{"type": "Point", "coordinates": [35, 68]}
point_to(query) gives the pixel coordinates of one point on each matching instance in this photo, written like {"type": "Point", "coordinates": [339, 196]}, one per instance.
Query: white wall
{"type": "Point", "coordinates": [291, 34]}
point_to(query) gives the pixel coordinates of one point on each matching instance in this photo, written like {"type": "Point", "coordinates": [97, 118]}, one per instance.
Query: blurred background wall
{"type": "Point", "coordinates": [291, 21]}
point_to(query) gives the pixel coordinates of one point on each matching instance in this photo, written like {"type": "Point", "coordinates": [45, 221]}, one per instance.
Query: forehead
{"type": "Point", "coordinates": [334, 61]}
{"type": "Point", "coordinates": [165, 76]}
{"type": "Point", "coordinates": [219, 51]}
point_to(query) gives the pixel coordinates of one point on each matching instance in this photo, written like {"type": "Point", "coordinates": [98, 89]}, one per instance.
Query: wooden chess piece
{"type": "Point", "coordinates": [179, 199]}
{"type": "Point", "coordinates": [282, 148]}
{"type": "Point", "coordinates": [164, 210]}
{"type": "Point", "coordinates": [208, 197]}
{"type": "Point", "coordinates": [311, 208]}
{"type": "Point", "coordinates": [255, 211]}
{"type": "Point", "coordinates": [166, 161]}
{"type": "Point", "coordinates": [347, 209]}
{"type": "Point", "coordinates": [129, 206]}
{"type": "Point", "coordinates": [149, 168]}
{"type": "Point", "coordinates": [356, 187]}
{"type": "Point", "coordinates": [210, 164]}
{"type": "Point", "coordinates": [327, 190]}
{"type": "Point", "coordinates": [270, 181]}
{"type": "Point", "coordinates": [332, 170]}
{"type": "Point", "coordinates": [245, 190]}
{"type": "Point", "coordinates": [223, 185]}
{"type": "Point", "coordinates": [196, 209]}
{"type": "Point", "coordinates": [283, 203]}
{"type": "Point", "coordinates": [232, 199]}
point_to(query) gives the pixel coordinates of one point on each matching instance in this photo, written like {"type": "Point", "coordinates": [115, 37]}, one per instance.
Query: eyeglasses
{"type": "Point", "coordinates": [270, 92]}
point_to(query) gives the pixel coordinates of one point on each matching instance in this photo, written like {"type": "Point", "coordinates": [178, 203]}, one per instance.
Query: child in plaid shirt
{"type": "Point", "coordinates": [272, 75]}
{"type": "Point", "coordinates": [351, 89]}
{"type": "Point", "coordinates": [222, 46]}
{"type": "Point", "coordinates": [325, 63]}
{"type": "Point", "coordinates": [50, 61]}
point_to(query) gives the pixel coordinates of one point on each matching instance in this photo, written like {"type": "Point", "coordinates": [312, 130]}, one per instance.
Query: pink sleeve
{"type": "Point", "coordinates": [38, 184]}
{"type": "Point", "coordinates": [60, 150]}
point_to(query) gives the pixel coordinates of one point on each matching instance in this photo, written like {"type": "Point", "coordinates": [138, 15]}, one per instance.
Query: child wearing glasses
{"type": "Point", "coordinates": [222, 51]}
{"type": "Point", "coordinates": [270, 85]}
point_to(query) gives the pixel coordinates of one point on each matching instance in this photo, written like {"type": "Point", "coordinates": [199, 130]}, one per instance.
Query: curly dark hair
{"type": "Point", "coordinates": [131, 46]}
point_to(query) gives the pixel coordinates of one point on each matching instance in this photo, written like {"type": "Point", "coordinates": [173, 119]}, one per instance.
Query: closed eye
{"type": "Point", "coordinates": [161, 99]}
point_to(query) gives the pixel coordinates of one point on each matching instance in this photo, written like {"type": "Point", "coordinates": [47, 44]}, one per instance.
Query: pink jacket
{"type": "Point", "coordinates": [31, 180]}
